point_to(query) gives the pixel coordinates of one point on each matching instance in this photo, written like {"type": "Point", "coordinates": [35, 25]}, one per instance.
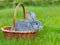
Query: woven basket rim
{"type": "Point", "coordinates": [5, 30]}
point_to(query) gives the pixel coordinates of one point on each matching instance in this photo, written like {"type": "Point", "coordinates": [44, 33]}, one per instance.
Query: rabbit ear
{"type": "Point", "coordinates": [33, 16]}
{"type": "Point", "coordinates": [28, 16]}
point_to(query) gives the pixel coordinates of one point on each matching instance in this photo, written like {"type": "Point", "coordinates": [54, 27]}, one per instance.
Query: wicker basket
{"type": "Point", "coordinates": [18, 34]}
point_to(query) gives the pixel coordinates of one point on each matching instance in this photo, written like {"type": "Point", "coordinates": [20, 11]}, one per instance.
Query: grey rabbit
{"type": "Point", "coordinates": [31, 23]}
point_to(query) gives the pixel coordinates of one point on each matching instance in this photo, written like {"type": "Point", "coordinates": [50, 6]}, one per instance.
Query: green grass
{"type": "Point", "coordinates": [49, 17]}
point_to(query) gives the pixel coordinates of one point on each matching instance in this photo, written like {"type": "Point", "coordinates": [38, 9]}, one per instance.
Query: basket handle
{"type": "Point", "coordinates": [20, 4]}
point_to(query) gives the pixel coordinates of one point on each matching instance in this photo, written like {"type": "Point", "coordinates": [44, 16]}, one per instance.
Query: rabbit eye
{"type": "Point", "coordinates": [36, 23]}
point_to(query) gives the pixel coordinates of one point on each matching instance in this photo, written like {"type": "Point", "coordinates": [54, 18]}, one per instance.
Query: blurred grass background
{"type": "Point", "coordinates": [13, 3]}
{"type": "Point", "coordinates": [47, 11]}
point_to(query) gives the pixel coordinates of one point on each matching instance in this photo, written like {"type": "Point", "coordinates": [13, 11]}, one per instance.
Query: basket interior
{"type": "Point", "coordinates": [7, 28]}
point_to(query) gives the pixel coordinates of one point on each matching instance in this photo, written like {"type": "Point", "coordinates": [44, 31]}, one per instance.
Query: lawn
{"type": "Point", "coordinates": [49, 17]}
